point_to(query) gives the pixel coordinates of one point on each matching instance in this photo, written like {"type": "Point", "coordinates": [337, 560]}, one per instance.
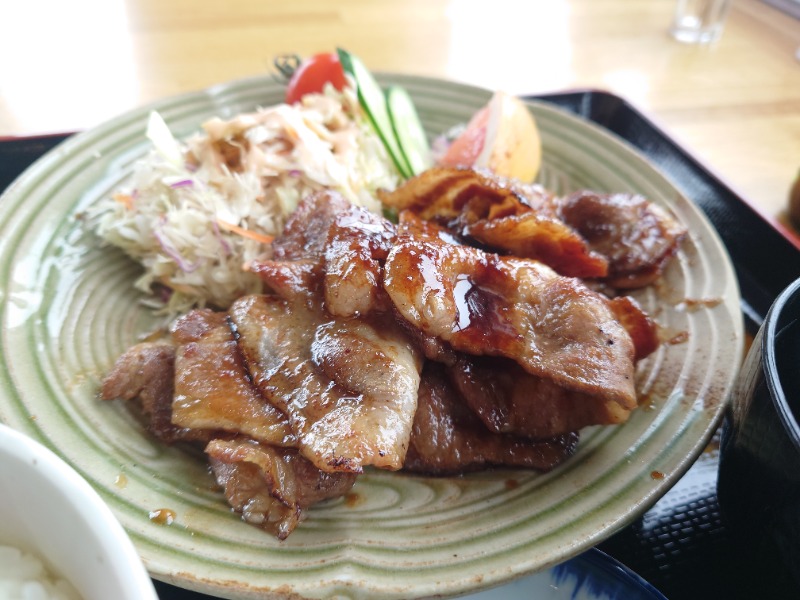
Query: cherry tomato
{"type": "Point", "coordinates": [312, 75]}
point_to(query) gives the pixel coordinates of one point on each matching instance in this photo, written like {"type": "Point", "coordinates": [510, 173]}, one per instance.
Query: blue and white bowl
{"type": "Point", "coordinates": [592, 575]}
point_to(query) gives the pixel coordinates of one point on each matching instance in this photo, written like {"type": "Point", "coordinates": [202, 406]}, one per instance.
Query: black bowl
{"type": "Point", "coordinates": [759, 472]}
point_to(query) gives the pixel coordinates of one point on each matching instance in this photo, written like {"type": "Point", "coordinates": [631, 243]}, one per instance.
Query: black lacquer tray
{"type": "Point", "coordinates": [680, 545]}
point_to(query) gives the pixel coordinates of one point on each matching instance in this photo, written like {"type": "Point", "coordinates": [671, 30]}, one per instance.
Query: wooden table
{"type": "Point", "coordinates": [734, 104]}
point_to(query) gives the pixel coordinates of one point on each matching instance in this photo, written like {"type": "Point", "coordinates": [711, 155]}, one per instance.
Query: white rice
{"type": "Point", "coordinates": [24, 576]}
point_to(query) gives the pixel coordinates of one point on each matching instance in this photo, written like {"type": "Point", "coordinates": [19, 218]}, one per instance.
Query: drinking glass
{"type": "Point", "coordinates": [699, 21]}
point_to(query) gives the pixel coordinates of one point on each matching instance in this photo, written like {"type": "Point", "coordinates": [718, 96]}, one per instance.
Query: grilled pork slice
{"type": "Point", "coordinates": [336, 259]}
{"type": "Point", "coordinates": [192, 386]}
{"type": "Point", "coordinates": [448, 438]}
{"type": "Point", "coordinates": [348, 386]}
{"type": "Point", "coordinates": [497, 214]}
{"type": "Point", "coordinates": [637, 236]}
{"type": "Point", "coordinates": [509, 400]}
{"type": "Point", "coordinates": [271, 488]}
{"type": "Point", "coordinates": [145, 373]}
{"type": "Point", "coordinates": [639, 325]}
{"type": "Point", "coordinates": [555, 327]}
{"type": "Point", "coordinates": [358, 244]}
{"type": "Point", "coordinates": [295, 271]}
{"type": "Point", "coordinates": [411, 224]}
{"type": "Point", "coordinates": [622, 239]}
{"type": "Point", "coordinates": [213, 391]}
{"type": "Point", "coordinates": [305, 234]}
{"type": "Point", "coordinates": [543, 238]}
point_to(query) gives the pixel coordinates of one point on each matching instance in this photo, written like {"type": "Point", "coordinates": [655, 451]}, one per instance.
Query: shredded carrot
{"type": "Point", "coordinates": [259, 237]}
{"type": "Point", "coordinates": [124, 199]}
{"type": "Point", "coordinates": [291, 133]}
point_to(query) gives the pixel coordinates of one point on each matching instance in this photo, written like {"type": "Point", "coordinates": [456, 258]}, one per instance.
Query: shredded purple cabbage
{"type": "Point", "coordinates": [171, 251]}
{"type": "Point", "coordinates": [226, 247]}
{"type": "Point", "coordinates": [182, 183]}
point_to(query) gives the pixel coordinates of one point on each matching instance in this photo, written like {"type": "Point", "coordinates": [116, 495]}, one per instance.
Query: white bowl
{"type": "Point", "coordinates": [48, 509]}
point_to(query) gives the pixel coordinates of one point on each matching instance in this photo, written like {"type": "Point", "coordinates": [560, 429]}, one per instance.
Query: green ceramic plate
{"type": "Point", "coordinates": [68, 310]}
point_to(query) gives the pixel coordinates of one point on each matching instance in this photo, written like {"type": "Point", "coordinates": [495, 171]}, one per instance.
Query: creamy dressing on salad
{"type": "Point", "coordinates": [194, 213]}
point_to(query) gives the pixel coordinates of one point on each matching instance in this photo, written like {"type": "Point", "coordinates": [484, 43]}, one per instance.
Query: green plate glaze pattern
{"type": "Point", "coordinates": [68, 309]}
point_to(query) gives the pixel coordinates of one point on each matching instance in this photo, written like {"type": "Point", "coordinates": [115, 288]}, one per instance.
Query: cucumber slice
{"type": "Point", "coordinates": [408, 130]}
{"type": "Point", "coordinates": [373, 102]}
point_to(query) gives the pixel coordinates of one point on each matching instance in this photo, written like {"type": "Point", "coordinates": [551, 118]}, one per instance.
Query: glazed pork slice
{"type": "Point", "coordinates": [479, 303]}
{"type": "Point", "coordinates": [336, 258]}
{"type": "Point", "coordinates": [639, 325]}
{"type": "Point", "coordinates": [270, 487]}
{"type": "Point", "coordinates": [213, 391]}
{"type": "Point", "coordinates": [295, 269]}
{"type": "Point", "coordinates": [145, 373]}
{"type": "Point", "coordinates": [358, 243]}
{"type": "Point", "coordinates": [496, 213]}
{"type": "Point", "coordinates": [546, 239]}
{"type": "Point", "coordinates": [192, 385]}
{"type": "Point", "coordinates": [348, 386]}
{"type": "Point", "coordinates": [622, 239]}
{"type": "Point", "coordinates": [637, 236]}
{"type": "Point", "coordinates": [449, 439]}
{"type": "Point", "coordinates": [453, 194]}
{"type": "Point", "coordinates": [509, 400]}
{"type": "Point", "coordinates": [305, 234]}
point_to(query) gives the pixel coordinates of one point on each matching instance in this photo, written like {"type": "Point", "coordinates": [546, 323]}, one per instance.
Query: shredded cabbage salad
{"type": "Point", "coordinates": [195, 212]}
